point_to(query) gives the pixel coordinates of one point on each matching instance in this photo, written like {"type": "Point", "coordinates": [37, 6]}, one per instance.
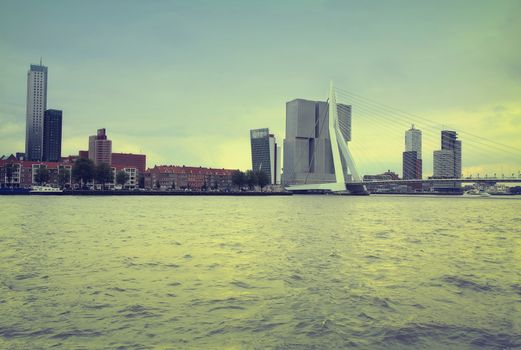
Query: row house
{"type": "Point", "coordinates": [16, 173]}
{"type": "Point", "coordinates": [165, 177]}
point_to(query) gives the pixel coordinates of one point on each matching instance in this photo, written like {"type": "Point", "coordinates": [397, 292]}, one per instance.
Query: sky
{"type": "Point", "coordinates": [185, 81]}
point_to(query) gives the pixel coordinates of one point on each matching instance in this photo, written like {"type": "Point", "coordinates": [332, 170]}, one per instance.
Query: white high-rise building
{"type": "Point", "coordinates": [413, 141]}
{"type": "Point", "coordinates": [36, 106]}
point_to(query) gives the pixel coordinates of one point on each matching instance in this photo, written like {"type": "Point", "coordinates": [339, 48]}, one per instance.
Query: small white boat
{"type": "Point", "coordinates": [476, 193]}
{"type": "Point", "coordinates": [45, 189]}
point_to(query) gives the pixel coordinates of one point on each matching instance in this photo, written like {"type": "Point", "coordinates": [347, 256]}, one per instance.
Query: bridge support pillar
{"type": "Point", "coordinates": [356, 189]}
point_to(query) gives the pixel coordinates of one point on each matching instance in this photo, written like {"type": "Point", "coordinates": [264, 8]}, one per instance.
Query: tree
{"type": "Point", "coordinates": [121, 178]}
{"type": "Point", "coordinates": [103, 174]}
{"type": "Point", "coordinates": [64, 177]}
{"type": "Point", "coordinates": [238, 178]}
{"type": "Point", "coordinates": [83, 171]}
{"type": "Point", "coordinates": [262, 178]}
{"type": "Point", "coordinates": [158, 185]}
{"type": "Point", "coordinates": [251, 179]}
{"type": "Point", "coordinates": [41, 176]}
{"type": "Point", "coordinates": [173, 184]}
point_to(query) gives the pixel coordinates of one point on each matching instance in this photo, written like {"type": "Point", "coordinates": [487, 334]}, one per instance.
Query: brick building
{"type": "Point", "coordinates": [16, 173]}
{"type": "Point", "coordinates": [183, 177]}
{"type": "Point", "coordinates": [130, 160]}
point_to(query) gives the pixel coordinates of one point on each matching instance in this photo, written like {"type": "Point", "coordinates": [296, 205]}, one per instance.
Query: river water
{"type": "Point", "coordinates": [300, 272]}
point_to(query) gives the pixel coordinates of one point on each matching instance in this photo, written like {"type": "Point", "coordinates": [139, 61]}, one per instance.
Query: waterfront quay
{"type": "Point", "coordinates": [144, 193]}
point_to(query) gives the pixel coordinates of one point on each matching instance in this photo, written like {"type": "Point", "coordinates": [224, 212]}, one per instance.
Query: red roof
{"type": "Point", "coordinates": [176, 169]}
{"type": "Point", "coordinates": [29, 164]}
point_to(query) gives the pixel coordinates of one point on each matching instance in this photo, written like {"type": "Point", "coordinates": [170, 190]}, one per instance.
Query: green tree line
{"type": "Point", "coordinates": [250, 178]}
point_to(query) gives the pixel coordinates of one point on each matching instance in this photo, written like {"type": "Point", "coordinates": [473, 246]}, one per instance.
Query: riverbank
{"type": "Point", "coordinates": [142, 193]}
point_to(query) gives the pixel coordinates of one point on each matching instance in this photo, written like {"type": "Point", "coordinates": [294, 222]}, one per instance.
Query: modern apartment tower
{"type": "Point", "coordinates": [52, 135]}
{"type": "Point", "coordinates": [443, 164]}
{"type": "Point", "coordinates": [307, 146]}
{"type": "Point", "coordinates": [265, 154]}
{"type": "Point", "coordinates": [100, 148]}
{"type": "Point", "coordinates": [447, 161]}
{"type": "Point", "coordinates": [316, 156]}
{"type": "Point", "coordinates": [36, 106]}
{"type": "Point", "coordinates": [412, 157]}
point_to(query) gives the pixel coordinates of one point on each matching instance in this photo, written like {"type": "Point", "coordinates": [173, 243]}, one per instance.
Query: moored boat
{"type": "Point", "coordinates": [40, 189]}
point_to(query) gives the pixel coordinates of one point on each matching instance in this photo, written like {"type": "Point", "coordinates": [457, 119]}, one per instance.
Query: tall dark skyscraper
{"type": "Point", "coordinates": [265, 154]}
{"type": "Point", "coordinates": [36, 105]}
{"type": "Point", "coordinates": [412, 166]}
{"type": "Point", "coordinates": [52, 135]}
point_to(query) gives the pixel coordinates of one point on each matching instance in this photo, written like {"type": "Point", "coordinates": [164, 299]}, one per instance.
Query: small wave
{"type": "Point", "coordinates": [10, 332]}
{"type": "Point", "coordinates": [216, 331]}
{"type": "Point", "coordinates": [97, 306]}
{"type": "Point", "coordinates": [467, 284]}
{"type": "Point", "coordinates": [517, 288]}
{"type": "Point", "coordinates": [241, 284]}
{"type": "Point", "coordinates": [229, 307]}
{"type": "Point", "coordinates": [137, 311]}
{"type": "Point", "coordinates": [365, 316]}
{"type": "Point", "coordinates": [372, 257]}
{"type": "Point", "coordinates": [25, 276]}
{"type": "Point", "coordinates": [320, 329]}
{"type": "Point", "coordinates": [266, 326]}
{"type": "Point", "coordinates": [77, 333]}
{"type": "Point", "coordinates": [439, 333]}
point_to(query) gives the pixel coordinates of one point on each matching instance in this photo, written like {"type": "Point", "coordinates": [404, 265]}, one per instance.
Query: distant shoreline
{"type": "Point", "coordinates": [229, 194]}
{"type": "Point", "coordinates": [143, 193]}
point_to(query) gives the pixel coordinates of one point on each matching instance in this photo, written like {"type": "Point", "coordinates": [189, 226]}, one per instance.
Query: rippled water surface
{"type": "Point", "coordinates": [301, 272]}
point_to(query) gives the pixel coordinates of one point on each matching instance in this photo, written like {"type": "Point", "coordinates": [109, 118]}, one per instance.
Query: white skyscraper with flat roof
{"type": "Point", "coordinates": [36, 106]}
{"type": "Point", "coordinates": [413, 141]}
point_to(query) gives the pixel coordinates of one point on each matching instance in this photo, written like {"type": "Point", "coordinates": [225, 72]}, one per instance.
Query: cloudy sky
{"type": "Point", "coordinates": [184, 81]}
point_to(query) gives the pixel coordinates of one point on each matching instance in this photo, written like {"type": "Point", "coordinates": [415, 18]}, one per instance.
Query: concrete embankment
{"type": "Point", "coordinates": [144, 193]}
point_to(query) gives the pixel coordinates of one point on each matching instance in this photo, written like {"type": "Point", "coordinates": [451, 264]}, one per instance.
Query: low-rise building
{"type": "Point", "coordinates": [130, 160]}
{"type": "Point", "coordinates": [165, 177]}
{"type": "Point", "coordinates": [387, 176]}
{"type": "Point", "coordinates": [16, 173]}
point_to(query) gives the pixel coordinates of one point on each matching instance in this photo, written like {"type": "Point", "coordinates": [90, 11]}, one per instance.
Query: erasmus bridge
{"type": "Point", "coordinates": [340, 157]}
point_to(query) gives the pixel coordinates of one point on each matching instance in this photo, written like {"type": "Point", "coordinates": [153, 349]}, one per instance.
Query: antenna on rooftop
{"type": "Point", "coordinates": [40, 60]}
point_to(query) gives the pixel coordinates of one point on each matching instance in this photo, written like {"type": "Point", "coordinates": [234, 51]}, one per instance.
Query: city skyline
{"type": "Point", "coordinates": [155, 111]}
